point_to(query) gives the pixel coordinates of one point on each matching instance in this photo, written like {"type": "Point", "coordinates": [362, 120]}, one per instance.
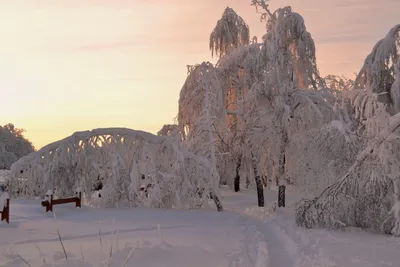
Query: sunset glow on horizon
{"type": "Point", "coordinates": [73, 65]}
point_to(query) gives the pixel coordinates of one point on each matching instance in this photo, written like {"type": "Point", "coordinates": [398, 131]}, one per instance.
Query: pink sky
{"type": "Point", "coordinates": [69, 65]}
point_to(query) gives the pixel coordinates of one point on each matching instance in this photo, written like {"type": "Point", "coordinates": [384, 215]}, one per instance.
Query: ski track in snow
{"type": "Point", "coordinates": [292, 246]}
{"type": "Point", "coordinates": [107, 233]}
{"type": "Point", "coordinates": [281, 249]}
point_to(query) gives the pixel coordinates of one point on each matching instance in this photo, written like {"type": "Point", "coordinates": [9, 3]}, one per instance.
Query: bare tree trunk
{"type": "Point", "coordinates": [237, 177]}
{"type": "Point", "coordinates": [260, 188]}
{"type": "Point", "coordinates": [282, 162]}
{"type": "Point", "coordinates": [282, 156]}
{"type": "Point", "coordinates": [216, 201]}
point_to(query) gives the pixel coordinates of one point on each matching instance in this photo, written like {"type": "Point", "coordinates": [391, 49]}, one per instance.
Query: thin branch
{"type": "Point", "coordinates": [27, 263]}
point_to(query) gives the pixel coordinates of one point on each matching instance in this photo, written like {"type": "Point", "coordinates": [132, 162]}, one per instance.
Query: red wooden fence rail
{"type": "Point", "coordinates": [49, 203]}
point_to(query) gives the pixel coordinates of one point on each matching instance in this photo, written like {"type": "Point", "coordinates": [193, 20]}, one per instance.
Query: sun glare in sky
{"type": "Point", "coordinates": [70, 65]}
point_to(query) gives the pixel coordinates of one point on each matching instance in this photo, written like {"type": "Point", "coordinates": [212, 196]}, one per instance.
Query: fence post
{"type": "Point", "coordinates": [5, 213]}
{"type": "Point", "coordinates": [78, 203]}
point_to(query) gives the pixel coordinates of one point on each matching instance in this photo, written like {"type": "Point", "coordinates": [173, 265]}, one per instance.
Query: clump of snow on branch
{"type": "Point", "coordinates": [125, 162]}
{"type": "Point", "coordinates": [168, 130]}
{"type": "Point", "coordinates": [339, 83]}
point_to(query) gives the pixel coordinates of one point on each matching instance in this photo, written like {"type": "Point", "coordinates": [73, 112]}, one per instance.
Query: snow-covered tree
{"type": "Point", "coordinates": [231, 31]}
{"type": "Point", "coordinates": [367, 194]}
{"type": "Point", "coordinates": [288, 80]}
{"type": "Point", "coordinates": [378, 72]}
{"type": "Point", "coordinates": [126, 162]}
{"type": "Point", "coordinates": [278, 120]}
{"type": "Point", "coordinates": [235, 73]}
{"type": "Point", "coordinates": [288, 50]}
{"type": "Point", "coordinates": [201, 113]}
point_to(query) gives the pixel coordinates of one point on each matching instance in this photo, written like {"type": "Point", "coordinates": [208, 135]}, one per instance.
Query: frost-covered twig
{"type": "Point", "coordinates": [80, 248]}
{"type": "Point", "coordinates": [128, 257]}
{"type": "Point", "coordinates": [59, 235]}
{"type": "Point", "coordinates": [19, 256]}
{"type": "Point", "coordinates": [40, 253]}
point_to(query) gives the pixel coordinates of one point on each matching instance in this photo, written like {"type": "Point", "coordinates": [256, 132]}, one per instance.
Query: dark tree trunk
{"type": "Point", "coordinates": [281, 196]}
{"type": "Point", "coordinates": [237, 177]}
{"type": "Point", "coordinates": [260, 188]}
{"type": "Point", "coordinates": [216, 201]}
{"type": "Point", "coordinates": [282, 163]}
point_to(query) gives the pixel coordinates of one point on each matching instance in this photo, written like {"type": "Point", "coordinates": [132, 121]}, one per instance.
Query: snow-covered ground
{"type": "Point", "coordinates": [243, 236]}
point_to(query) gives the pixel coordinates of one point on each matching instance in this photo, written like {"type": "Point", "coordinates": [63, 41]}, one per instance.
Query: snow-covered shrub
{"type": "Point", "coordinates": [119, 159]}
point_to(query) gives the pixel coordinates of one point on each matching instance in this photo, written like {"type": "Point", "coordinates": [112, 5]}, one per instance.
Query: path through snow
{"type": "Point", "coordinates": [292, 246]}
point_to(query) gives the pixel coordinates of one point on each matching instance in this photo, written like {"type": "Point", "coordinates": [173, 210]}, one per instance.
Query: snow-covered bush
{"type": "Point", "coordinates": [120, 160]}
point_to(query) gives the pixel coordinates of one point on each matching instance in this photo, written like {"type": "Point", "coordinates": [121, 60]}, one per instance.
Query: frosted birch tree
{"type": "Point", "coordinates": [201, 115]}
{"type": "Point", "coordinates": [288, 124]}
{"type": "Point", "coordinates": [230, 32]}
{"type": "Point", "coordinates": [287, 71]}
